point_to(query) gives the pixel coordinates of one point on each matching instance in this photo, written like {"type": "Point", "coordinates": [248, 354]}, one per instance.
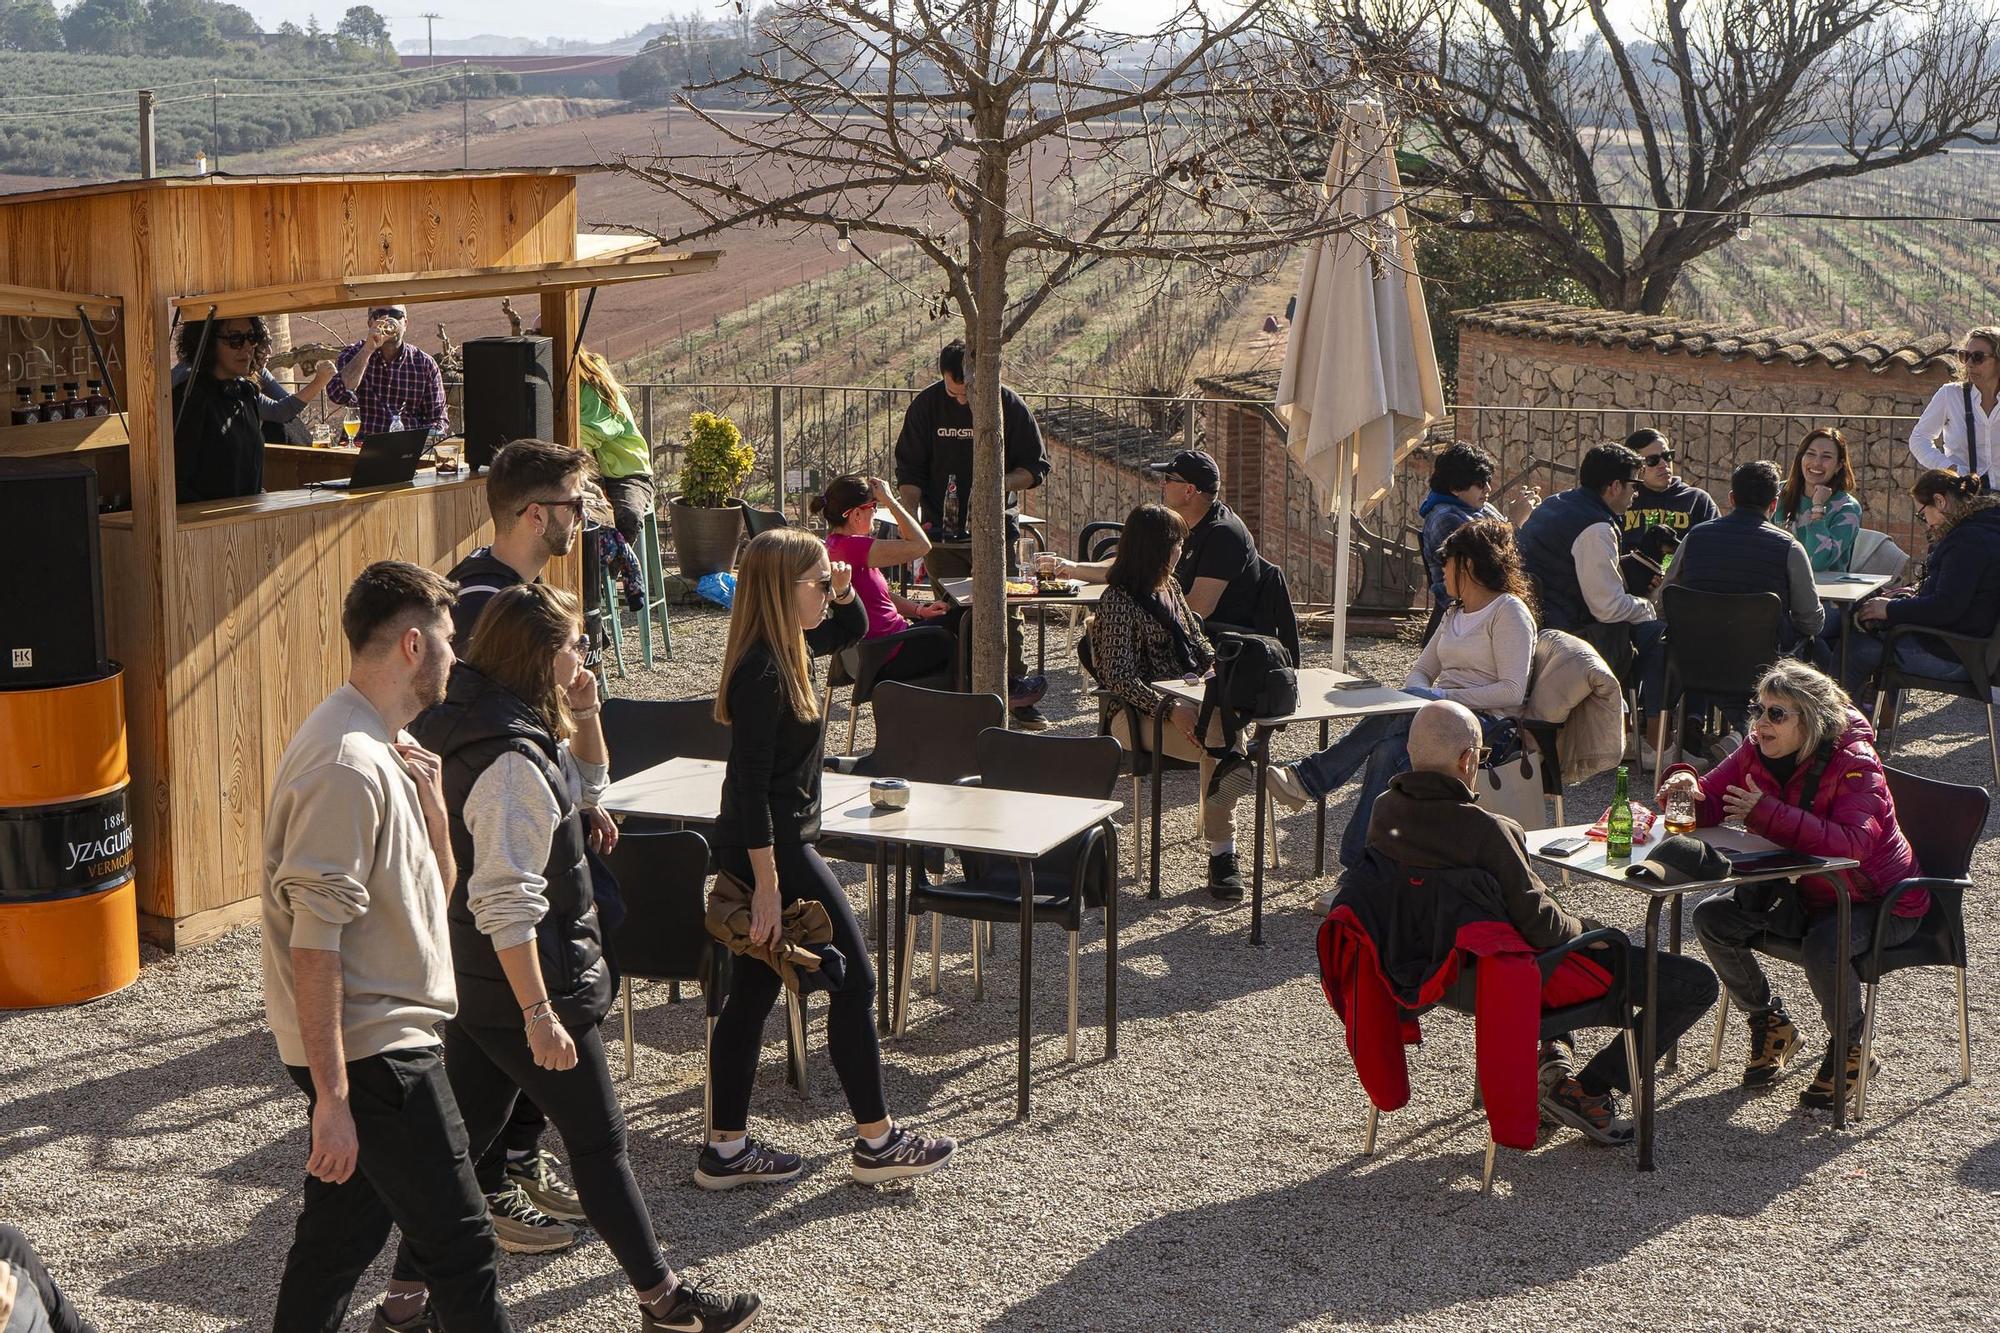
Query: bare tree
{"type": "Point", "coordinates": [1558, 119]}
{"type": "Point", "coordinates": [1015, 145]}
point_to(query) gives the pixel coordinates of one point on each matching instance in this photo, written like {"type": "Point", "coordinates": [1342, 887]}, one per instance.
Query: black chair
{"type": "Point", "coordinates": [1080, 874]}
{"type": "Point", "coordinates": [756, 521]}
{"type": "Point", "coordinates": [1981, 659]}
{"type": "Point", "coordinates": [645, 732]}
{"type": "Point", "coordinates": [1098, 540]}
{"type": "Point", "coordinates": [860, 666]}
{"type": "Point", "coordinates": [1138, 761]}
{"type": "Point", "coordinates": [1718, 644]}
{"type": "Point", "coordinates": [1943, 821]}
{"type": "Point", "coordinates": [1613, 1009]}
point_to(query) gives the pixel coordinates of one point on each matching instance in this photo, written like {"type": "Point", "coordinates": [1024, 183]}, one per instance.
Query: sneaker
{"type": "Point", "coordinates": [1029, 719]}
{"type": "Point", "coordinates": [1818, 1095]}
{"type": "Point", "coordinates": [1594, 1116]}
{"type": "Point", "coordinates": [1281, 783]}
{"type": "Point", "coordinates": [549, 1192]}
{"type": "Point", "coordinates": [757, 1164]}
{"type": "Point", "coordinates": [906, 1154]}
{"type": "Point", "coordinates": [424, 1321]}
{"type": "Point", "coordinates": [1772, 1041]}
{"type": "Point", "coordinates": [1026, 691]}
{"type": "Point", "coordinates": [522, 1228]}
{"type": "Point", "coordinates": [693, 1310]}
{"type": "Point", "coordinates": [1225, 878]}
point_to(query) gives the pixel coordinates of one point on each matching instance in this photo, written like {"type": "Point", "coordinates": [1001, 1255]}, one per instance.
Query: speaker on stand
{"type": "Point", "coordinates": [509, 393]}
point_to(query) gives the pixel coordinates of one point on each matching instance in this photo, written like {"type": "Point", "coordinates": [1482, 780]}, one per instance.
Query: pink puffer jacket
{"type": "Point", "coordinates": [1852, 816]}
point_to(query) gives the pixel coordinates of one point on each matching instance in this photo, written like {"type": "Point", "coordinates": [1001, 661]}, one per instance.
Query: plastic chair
{"type": "Point", "coordinates": [643, 732]}
{"type": "Point", "coordinates": [1979, 655]}
{"type": "Point", "coordinates": [757, 521]}
{"type": "Point", "coordinates": [1081, 873]}
{"type": "Point", "coordinates": [859, 666]}
{"type": "Point", "coordinates": [1098, 540]}
{"type": "Point", "coordinates": [1875, 553]}
{"type": "Point", "coordinates": [1718, 644]}
{"type": "Point", "coordinates": [1943, 821]}
{"type": "Point", "coordinates": [656, 591]}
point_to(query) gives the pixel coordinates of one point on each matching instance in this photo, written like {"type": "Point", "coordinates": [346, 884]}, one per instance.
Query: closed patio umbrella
{"type": "Point", "coordinates": [1360, 380]}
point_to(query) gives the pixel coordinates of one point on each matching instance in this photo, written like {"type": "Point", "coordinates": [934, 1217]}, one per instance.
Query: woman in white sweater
{"type": "Point", "coordinates": [1479, 657]}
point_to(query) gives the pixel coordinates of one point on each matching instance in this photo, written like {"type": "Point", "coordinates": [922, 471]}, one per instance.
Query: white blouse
{"type": "Point", "coordinates": [1939, 439]}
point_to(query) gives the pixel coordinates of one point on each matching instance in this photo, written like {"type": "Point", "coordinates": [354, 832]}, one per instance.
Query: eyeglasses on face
{"type": "Point", "coordinates": [573, 504]}
{"type": "Point", "coordinates": [1972, 356]}
{"type": "Point", "coordinates": [1776, 714]}
{"type": "Point", "coordinates": [240, 340]}
{"type": "Point", "coordinates": [824, 582]}
{"type": "Point", "coordinates": [580, 645]}
{"type": "Point", "coordinates": [1663, 457]}
{"type": "Point", "coordinates": [1480, 753]}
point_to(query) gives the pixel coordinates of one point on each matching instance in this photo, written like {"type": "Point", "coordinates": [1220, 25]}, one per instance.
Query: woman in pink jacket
{"type": "Point", "coordinates": [1806, 777]}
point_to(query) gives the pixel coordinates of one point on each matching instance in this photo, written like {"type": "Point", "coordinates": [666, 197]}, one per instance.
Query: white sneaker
{"type": "Point", "coordinates": [1281, 782]}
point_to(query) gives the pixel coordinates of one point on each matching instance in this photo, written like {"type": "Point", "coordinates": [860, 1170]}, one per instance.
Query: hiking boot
{"type": "Point", "coordinates": [522, 1228]}
{"type": "Point", "coordinates": [757, 1164]}
{"type": "Point", "coordinates": [1026, 691]}
{"type": "Point", "coordinates": [906, 1154]}
{"type": "Point", "coordinates": [1772, 1041]}
{"type": "Point", "coordinates": [1558, 1057]}
{"type": "Point", "coordinates": [1593, 1115]}
{"type": "Point", "coordinates": [1225, 877]}
{"type": "Point", "coordinates": [692, 1310]}
{"type": "Point", "coordinates": [536, 1175]}
{"type": "Point", "coordinates": [1818, 1095]}
{"type": "Point", "coordinates": [424, 1321]}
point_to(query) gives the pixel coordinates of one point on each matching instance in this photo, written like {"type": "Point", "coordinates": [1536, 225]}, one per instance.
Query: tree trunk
{"type": "Point", "coordinates": [988, 501]}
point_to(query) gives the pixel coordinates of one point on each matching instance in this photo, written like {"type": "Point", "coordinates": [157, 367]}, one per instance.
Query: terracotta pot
{"type": "Point", "coordinates": [705, 539]}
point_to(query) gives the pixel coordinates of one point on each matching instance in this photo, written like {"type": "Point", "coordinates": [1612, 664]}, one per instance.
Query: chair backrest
{"type": "Point", "coordinates": [1875, 553]}
{"type": "Point", "coordinates": [1942, 820]}
{"type": "Point", "coordinates": [1719, 643]}
{"type": "Point", "coordinates": [762, 520]}
{"type": "Point", "coordinates": [645, 732]}
{"type": "Point", "coordinates": [929, 735]}
{"type": "Point", "coordinates": [1097, 540]}
{"type": "Point", "coordinates": [1084, 766]}
{"type": "Point", "coordinates": [663, 878]}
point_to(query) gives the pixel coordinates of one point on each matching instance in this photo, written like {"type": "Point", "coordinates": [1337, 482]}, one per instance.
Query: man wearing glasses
{"type": "Point", "coordinates": [1960, 428]}
{"type": "Point", "coordinates": [1664, 501]}
{"type": "Point", "coordinates": [389, 380]}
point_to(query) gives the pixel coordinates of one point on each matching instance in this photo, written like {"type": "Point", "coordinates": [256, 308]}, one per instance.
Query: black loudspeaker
{"type": "Point", "coordinates": [52, 605]}
{"type": "Point", "coordinates": [509, 394]}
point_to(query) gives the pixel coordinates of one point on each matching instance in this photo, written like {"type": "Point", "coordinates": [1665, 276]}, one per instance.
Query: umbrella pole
{"type": "Point", "coordinates": [1343, 467]}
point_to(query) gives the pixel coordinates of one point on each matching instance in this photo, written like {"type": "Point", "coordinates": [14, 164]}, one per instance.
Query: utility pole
{"type": "Point", "coordinates": [215, 123]}
{"type": "Point", "coordinates": [148, 164]}
{"type": "Point", "coordinates": [464, 114]}
{"type": "Point", "coordinates": [430, 36]}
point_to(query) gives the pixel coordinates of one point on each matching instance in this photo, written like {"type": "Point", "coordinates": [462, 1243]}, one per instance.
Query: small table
{"type": "Point", "coordinates": [1592, 863]}
{"type": "Point", "coordinates": [959, 592]}
{"type": "Point", "coordinates": [1324, 695]}
{"type": "Point", "coordinates": [1844, 590]}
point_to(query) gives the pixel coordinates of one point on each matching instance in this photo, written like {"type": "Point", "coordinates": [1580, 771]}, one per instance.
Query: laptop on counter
{"type": "Point", "coordinates": [387, 459]}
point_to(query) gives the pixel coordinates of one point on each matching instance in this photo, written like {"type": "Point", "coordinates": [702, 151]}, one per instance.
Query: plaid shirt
{"type": "Point", "coordinates": [407, 384]}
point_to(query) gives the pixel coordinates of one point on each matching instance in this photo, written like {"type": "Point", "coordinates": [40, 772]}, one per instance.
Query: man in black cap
{"type": "Point", "coordinates": [1218, 569]}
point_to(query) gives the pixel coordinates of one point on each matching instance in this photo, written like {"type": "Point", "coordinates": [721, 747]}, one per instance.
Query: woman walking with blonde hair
{"type": "Point", "coordinates": [763, 838]}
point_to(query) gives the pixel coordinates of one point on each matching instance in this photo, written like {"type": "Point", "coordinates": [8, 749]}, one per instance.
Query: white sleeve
{"type": "Point", "coordinates": [1511, 633]}
{"type": "Point", "coordinates": [511, 814]}
{"type": "Point", "coordinates": [1428, 663]}
{"type": "Point", "coordinates": [586, 780]}
{"type": "Point", "coordinates": [1595, 552]}
{"type": "Point", "coordinates": [1936, 419]}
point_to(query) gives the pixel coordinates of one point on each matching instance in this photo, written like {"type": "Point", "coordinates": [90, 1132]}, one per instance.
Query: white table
{"type": "Point", "coordinates": [1844, 590]}
{"type": "Point", "coordinates": [1325, 695]}
{"type": "Point", "coordinates": [959, 593]}
{"type": "Point", "coordinates": [1593, 863]}
{"type": "Point", "coordinates": [1020, 825]}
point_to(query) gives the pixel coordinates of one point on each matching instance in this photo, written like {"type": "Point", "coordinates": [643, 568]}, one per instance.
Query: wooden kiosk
{"type": "Point", "coordinates": [226, 615]}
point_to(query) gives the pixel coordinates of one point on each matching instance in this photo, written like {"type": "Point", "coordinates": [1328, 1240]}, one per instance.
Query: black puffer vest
{"type": "Point", "coordinates": [478, 722]}
{"type": "Point", "coordinates": [1545, 541]}
{"type": "Point", "coordinates": [1740, 553]}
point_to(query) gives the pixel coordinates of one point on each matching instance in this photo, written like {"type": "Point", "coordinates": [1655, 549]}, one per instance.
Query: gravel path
{"type": "Point", "coordinates": [1208, 1179]}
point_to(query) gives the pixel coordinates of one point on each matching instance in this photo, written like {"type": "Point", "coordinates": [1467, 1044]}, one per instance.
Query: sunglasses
{"type": "Point", "coordinates": [240, 340]}
{"type": "Point", "coordinates": [582, 645]}
{"type": "Point", "coordinates": [1656, 460]}
{"type": "Point", "coordinates": [575, 506]}
{"type": "Point", "coordinates": [1776, 714]}
{"type": "Point", "coordinates": [823, 582]}
{"type": "Point", "coordinates": [1972, 356]}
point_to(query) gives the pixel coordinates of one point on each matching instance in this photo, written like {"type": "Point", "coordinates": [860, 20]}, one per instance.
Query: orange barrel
{"type": "Point", "coordinates": [69, 917]}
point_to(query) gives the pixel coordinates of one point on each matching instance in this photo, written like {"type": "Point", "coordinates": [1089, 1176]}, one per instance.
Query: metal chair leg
{"type": "Point", "coordinates": [853, 721]}
{"type": "Point", "coordinates": [1368, 1140]}
{"type": "Point", "coordinates": [978, 967]}
{"type": "Point", "coordinates": [1138, 829]}
{"type": "Point", "coordinates": [1486, 1177]}
{"type": "Point", "coordinates": [1072, 994]}
{"type": "Point", "coordinates": [1632, 1062]}
{"type": "Point", "coordinates": [903, 973]}
{"type": "Point", "coordinates": [1964, 1034]}
{"type": "Point", "coordinates": [1867, 1049]}
{"type": "Point", "coordinates": [1992, 742]}
{"type": "Point", "coordinates": [1478, 1096]}
{"type": "Point", "coordinates": [1715, 1042]}
{"type": "Point", "coordinates": [937, 948]}
{"type": "Point", "coordinates": [1277, 862]}
{"type": "Point", "coordinates": [795, 1015]}
{"type": "Point", "coordinates": [708, 1079]}
{"type": "Point", "coordinates": [628, 1026]}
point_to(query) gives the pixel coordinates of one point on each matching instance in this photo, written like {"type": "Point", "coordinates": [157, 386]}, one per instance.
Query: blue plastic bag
{"type": "Point", "coordinates": [717, 588]}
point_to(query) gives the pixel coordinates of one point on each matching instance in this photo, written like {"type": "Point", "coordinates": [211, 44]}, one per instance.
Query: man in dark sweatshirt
{"type": "Point", "coordinates": [1663, 501]}
{"type": "Point", "coordinates": [1430, 819]}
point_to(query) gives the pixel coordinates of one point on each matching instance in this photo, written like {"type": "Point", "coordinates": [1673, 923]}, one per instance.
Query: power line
{"type": "Point", "coordinates": [1745, 216]}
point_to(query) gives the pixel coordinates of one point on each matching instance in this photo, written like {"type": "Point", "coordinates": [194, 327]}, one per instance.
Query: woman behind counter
{"type": "Point", "coordinates": [219, 429]}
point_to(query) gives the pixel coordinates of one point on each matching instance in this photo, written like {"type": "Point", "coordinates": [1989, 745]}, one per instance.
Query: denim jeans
{"type": "Point", "coordinates": [1378, 748]}
{"type": "Point", "coordinates": [1913, 654]}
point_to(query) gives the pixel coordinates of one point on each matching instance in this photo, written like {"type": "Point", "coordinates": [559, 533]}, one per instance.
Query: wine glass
{"type": "Point", "coordinates": [350, 424]}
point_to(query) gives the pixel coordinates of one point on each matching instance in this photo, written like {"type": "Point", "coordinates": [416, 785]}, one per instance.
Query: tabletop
{"type": "Point", "coordinates": [691, 790]}
{"type": "Point", "coordinates": [960, 592]}
{"type": "Point", "coordinates": [1848, 587]}
{"type": "Point", "coordinates": [1324, 694]}
{"type": "Point", "coordinates": [1592, 863]}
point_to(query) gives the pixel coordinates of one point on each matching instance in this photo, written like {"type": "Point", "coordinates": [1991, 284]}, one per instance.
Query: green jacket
{"type": "Point", "coordinates": [612, 436]}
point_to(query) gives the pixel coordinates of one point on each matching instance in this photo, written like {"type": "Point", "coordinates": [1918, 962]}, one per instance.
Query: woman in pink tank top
{"type": "Point", "coordinates": [850, 505]}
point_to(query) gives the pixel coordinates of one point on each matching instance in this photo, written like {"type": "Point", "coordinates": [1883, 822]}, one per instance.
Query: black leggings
{"type": "Point", "coordinates": [753, 989]}
{"type": "Point", "coordinates": [486, 1065]}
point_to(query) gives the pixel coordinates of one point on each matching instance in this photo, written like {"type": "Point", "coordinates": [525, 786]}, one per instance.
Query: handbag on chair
{"type": "Point", "coordinates": [1512, 786]}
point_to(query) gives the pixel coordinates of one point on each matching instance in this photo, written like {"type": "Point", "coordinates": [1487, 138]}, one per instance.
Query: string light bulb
{"type": "Point", "coordinates": [1742, 226]}
{"type": "Point", "coordinates": [1465, 213]}
{"type": "Point", "coordinates": [840, 242]}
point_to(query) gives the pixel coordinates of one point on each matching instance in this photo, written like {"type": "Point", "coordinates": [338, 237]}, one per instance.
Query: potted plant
{"type": "Point", "coordinates": [706, 517]}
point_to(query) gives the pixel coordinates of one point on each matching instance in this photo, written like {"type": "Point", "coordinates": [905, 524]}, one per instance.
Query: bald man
{"type": "Point", "coordinates": [1430, 819]}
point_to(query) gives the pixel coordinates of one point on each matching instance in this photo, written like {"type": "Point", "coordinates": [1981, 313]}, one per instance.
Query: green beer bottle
{"type": "Point", "coordinates": [1618, 825]}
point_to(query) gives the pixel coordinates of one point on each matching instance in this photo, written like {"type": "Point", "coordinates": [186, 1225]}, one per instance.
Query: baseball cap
{"type": "Point", "coordinates": [1194, 467]}
{"type": "Point", "coordinates": [1681, 859]}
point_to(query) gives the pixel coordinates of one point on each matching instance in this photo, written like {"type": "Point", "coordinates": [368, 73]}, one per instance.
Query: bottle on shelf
{"type": "Point", "coordinates": [73, 404]}
{"type": "Point", "coordinates": [951, 508]}
{"type": "Point", "coordinates": [1618, 824]}
{"type": "Point", "coordinates": [98, 403]}
{"type": "Point", "coordinates": [25, 412]}
{"type": "Point", "coordinates": [51, 410]}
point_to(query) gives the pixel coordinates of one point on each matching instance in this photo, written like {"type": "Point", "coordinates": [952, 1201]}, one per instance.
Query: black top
{"type": "Point", "coordinates": [1678, 508]}
{"type": "Point", "coordinates": [770, 793]}
{"type": "Point", "coordinates": [478, 577]}
{"type": "Point", "coordinates": [1219, 547]}
{"type": "Point", "coordinates": [936, 445]}
{"type": "Point", "coordinates": [219, 447]}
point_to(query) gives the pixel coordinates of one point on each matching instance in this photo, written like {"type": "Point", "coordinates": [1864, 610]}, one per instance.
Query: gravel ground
{"type": "Point", "coordinates": [1210, 1178]}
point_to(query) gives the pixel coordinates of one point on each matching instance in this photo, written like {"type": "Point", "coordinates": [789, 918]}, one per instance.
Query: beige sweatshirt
{"type": "Point", "coordinates": [348, 868]}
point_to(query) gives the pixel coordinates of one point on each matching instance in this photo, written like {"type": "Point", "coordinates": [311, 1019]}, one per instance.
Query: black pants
{"type": "Point", "coordinates": [20, 1255]}
{"type": "Point", "coordinates": [928, 654]}
{"type": "Point", "coordinates": [1734, 924]}
{"type": "Point", "coordinates": [753, 989]}
{"type": "Point", "coordinates": [521, 1134]}
{"type": "Point", "coordinates": [631, 498]}
{"type": "Point", "coordinates": [414, 1173]}
{"type": "Point", "coordinates": [486, 1066]}
{"type": "Point", "coordinates": [1687, 989]}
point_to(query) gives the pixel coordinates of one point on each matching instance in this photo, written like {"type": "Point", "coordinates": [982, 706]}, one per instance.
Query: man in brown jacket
{"type": "Point", "coordinates": [1430, 819]}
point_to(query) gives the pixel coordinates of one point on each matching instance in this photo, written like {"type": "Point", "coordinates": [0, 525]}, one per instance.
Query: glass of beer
{"type": "Point", "coordinates": [350, 424]}
{"type": "Point", "coordinates": [1678, 800]}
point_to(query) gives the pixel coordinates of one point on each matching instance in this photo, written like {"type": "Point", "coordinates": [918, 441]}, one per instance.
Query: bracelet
{"type": "Point", "coordinates": [539, 1004]}
{"type": "Point", "coordinates": [847, 600]}
{"type": "Point", "coordinates": [540, 1019]}
{"type": "Point", "coordinates": [581, 713]}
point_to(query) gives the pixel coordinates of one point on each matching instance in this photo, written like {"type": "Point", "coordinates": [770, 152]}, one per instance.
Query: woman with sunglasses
{"type": "Point", "coordinates": [1807, 777]}
{"type": "Point", "coordinates": [524, 758]}
{"type": "Point", "coordinates": [218, 423]}
{"type": "Point", "coordinates": [764, 837]}
{"type": "Point", "coordinates": [1817, 505]}
{"type": "Point", "coordinates": [1960, 428]}
{"type": "Point", "coordinates": [850, 505]}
